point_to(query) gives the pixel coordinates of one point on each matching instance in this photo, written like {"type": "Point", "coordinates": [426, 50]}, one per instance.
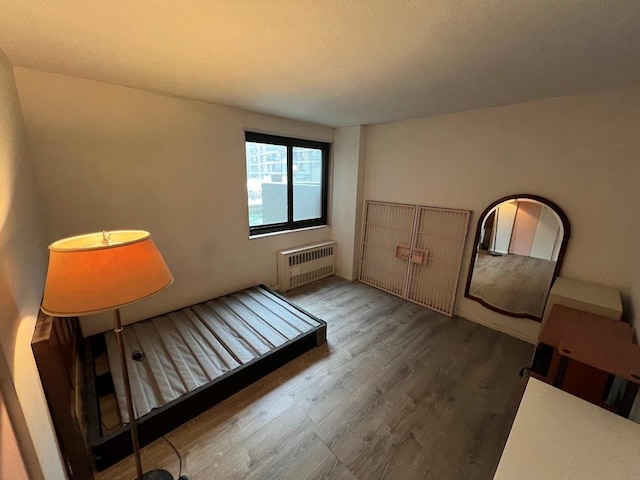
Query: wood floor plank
{"type": "Point", "coordinates": [398, 392]}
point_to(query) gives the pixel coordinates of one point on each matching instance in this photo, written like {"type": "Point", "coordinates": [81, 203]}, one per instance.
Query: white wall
{"type": "Point", "coordinates": [22, 270]}
{"type": "Point", "coordinates": [110, 157]}
{"type": "Point", "coordinates": [467, 160]}
{"type": "Point", "coordinates": [12, 462]}
{"type": "Point", "coordinates": [347, 197]}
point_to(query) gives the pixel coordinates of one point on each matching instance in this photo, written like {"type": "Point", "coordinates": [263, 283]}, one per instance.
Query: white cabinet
{"type": "Point", "coordinates": [603, 301]}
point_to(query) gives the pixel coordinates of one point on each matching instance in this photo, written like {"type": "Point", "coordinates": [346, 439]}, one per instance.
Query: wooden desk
{"type": "Point", "coordinates": [563, 317]}
{"type": "Point", "coordinates": [581, 353]}
{"type": "Point", "coordinates": [609, 352]}
{"type": "Point", "coordinates": [558, 436]}
{"type": "Point", "coordinates": [612, 353]}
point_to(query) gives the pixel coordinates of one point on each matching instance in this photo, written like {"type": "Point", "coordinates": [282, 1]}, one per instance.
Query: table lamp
{"type": "Point", "coordinates": [105, 271]}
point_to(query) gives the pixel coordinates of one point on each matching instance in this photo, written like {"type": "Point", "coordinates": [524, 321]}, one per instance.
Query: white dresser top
{"type": "Point", "coordinates": [558, 436]}
{"type": "Point", "coordinates": [593, 294]}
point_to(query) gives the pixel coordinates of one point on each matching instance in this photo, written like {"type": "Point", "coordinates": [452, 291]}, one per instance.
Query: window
{"type": "Point", "coordinates": [286, 182]}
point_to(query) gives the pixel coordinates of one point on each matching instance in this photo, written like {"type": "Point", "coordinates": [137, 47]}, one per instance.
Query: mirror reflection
{"type": "Point", "coordinates": [518, 246]}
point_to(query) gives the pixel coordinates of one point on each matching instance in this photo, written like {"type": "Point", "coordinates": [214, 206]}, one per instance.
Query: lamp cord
{"type": "Point", "coordinates": [180, 477]}
{"type": "Point", "coordinates": [120, 424]}
{"type": "Point", "coordinates": [178, 454]}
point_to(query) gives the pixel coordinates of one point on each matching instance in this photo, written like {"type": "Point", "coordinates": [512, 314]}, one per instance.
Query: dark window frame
{"type": "Point", "coordinates": [290, 143]}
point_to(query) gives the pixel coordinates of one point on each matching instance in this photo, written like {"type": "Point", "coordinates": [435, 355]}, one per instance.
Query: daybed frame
{"type": "Point", "coordinates": [108, 448]}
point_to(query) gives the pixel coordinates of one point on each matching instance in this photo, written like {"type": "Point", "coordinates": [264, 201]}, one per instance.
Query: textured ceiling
{"type": "Point", "coordinates": [334, 62]}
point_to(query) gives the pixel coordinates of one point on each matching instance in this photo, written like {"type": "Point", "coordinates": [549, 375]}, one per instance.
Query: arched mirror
{"type": "Point", "coordinates": [518, 251]}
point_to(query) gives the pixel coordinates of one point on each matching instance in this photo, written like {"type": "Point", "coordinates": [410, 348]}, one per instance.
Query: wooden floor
{"type": "Point", "coordinates": [397, 392]}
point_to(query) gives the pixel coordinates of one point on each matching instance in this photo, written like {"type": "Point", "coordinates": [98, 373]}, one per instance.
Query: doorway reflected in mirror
{"type": "Point", "coordinates": [519, 246]}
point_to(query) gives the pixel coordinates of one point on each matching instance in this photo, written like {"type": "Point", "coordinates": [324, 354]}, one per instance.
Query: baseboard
{"type": "Point", "coordinates": [513, 332]}
{"type": "Point", "coordinates": [346, 277]}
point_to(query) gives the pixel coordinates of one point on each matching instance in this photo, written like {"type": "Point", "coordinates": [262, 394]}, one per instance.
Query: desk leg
{"type": "Point", "coordinates": [561, 371]}
{"type": "Point", "coordinates": [626, 404]}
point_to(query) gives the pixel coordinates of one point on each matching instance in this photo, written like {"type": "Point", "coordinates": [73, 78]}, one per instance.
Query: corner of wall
{"type": "Point", "coordinates": [362, 164]}
{"type": "Point", "coordinates": [347, 195]}
{"type": "Point", "coordinates": [22, 270]}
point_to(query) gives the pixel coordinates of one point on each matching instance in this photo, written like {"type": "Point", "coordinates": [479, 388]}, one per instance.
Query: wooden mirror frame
{"type": "Point", "coordinates": [563, 247]}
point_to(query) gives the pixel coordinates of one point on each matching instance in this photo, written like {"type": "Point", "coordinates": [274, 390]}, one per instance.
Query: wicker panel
{"type": "Point", "coordinates": [441, 233]}
{"type": "Point", "coordinates": [386, 225]}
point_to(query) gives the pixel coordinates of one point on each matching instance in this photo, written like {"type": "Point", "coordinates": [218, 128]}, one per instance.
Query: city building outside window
{"type": "Point", "coordinates": [286, 182]}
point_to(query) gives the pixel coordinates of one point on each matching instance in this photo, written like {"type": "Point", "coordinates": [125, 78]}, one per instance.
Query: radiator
{"type": "Point", "coordinates": [297, 266]}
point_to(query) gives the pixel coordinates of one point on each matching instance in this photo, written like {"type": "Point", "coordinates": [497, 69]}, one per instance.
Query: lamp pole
{"type": "Point", "coordinates": [127, 391]}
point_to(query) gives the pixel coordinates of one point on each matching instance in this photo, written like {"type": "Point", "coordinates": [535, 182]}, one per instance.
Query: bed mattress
{"type": "Point", "coordinates": [184, 362]}
{"type": "Point", "coordinates": [186, 349]}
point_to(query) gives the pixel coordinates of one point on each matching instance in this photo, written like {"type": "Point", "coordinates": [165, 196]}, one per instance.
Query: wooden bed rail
{"type": "Point", "coordinates": [55, 344]}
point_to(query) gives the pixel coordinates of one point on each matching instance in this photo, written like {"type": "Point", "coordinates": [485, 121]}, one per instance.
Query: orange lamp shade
{"type": "Point", "coordinates": [102, 271]}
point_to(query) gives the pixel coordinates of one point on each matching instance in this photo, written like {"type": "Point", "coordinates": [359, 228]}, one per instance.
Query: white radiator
{"type": "Point", "coordinates": [297, 266]}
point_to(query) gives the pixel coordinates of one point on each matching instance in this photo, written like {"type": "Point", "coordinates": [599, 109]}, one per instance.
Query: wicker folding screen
{"type": "Point", "coordinates": [414, 252]}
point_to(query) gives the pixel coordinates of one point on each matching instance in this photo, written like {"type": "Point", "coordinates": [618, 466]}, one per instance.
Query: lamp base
{"type": "Point", "coordinates": [157, 475]}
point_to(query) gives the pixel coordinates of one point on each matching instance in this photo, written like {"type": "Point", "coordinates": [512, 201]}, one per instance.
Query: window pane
{"type": "Point", "coordinates": [307, 183]}
{"type": "Point", "coordinates": [266, 183]}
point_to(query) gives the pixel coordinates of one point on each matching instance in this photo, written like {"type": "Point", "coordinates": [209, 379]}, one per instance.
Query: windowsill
{"type": "Point", "coordinates": [282, 232]}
